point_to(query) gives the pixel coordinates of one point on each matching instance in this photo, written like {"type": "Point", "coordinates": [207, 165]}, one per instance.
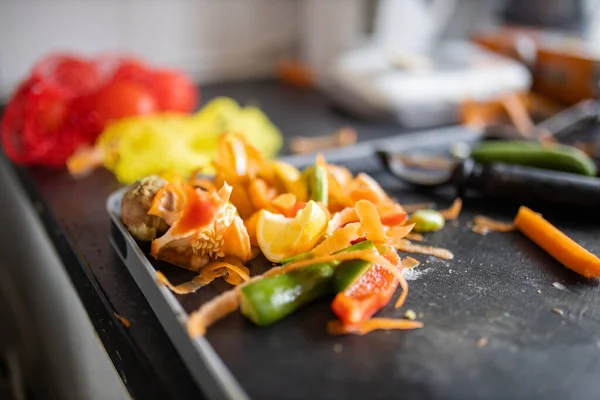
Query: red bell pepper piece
{"type": "Point", "coordinates": [367, 296]}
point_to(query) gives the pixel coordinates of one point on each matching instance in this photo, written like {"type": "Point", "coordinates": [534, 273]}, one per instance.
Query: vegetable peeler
{"type": "Point", "coordinates": [497, 180]}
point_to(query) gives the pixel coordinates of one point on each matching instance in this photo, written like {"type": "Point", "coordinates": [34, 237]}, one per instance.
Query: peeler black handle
{"type": "Point", "coordinates": [529, 184]}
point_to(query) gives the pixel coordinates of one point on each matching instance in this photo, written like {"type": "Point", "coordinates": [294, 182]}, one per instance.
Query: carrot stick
{"type": "Point", "coordinates": [557, 244]}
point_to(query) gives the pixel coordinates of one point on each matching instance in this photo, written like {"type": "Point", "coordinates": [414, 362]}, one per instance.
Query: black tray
{"type": "Point", "coordinates": [488, 293]}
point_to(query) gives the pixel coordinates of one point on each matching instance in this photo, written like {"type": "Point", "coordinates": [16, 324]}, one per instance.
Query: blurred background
{"type": "Point", "coordinates": [411, 63]}
{"type": "Point", "coordinates": [367, 55]}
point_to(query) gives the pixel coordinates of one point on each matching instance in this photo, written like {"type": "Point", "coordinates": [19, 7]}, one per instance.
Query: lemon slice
{"type": "Point", "coordinates": [279, 237]}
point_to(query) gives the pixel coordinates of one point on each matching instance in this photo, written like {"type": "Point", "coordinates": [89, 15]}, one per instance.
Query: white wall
{"type": "Point", "coordinates": [211, 39]}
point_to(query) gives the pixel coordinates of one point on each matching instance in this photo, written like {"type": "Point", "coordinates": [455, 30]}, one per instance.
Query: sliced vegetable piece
{"type": "Point", "coordinates": [369, 294]}
{"type": "Point", "coordinates": [270, 299]}
{"type": "Point", "coordinates": [348, 273]}
{"type": "Point", "coordinates": [372, 290]}
{"type": "Point", "coordinates": [556, 243]}
{"type": "Point", "coordinates": [340, 239]}
{"type": "Point", "coordinates": [427, 221]}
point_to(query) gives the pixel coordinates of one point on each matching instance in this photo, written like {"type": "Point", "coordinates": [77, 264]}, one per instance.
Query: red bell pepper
{"type": "Point", "coordinates": [368, 295]}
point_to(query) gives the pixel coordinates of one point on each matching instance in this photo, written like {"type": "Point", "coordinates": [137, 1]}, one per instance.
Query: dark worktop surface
{"type": "Point", "coordinates": [489, 291]}
{"type": "Point", "coordinates": [74, 214]}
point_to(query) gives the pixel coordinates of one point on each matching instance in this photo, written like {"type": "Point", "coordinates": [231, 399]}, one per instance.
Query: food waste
{"type": "Point", "coordinates": [326, 231]}
{"type": "Point", "coordinates": [67, 100]}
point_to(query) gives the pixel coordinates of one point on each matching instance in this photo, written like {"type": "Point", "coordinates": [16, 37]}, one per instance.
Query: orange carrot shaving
{"type": "Point", "coordinates": [337, 328]}
{"type": "Point", "coordinates": [191, 286]}
{"type": "Point", "coordinates": [410, 263]}
{"type": "Point", "coordinates": [233, 274]}
{"type": "Point", "coordinates": [402, 297]}
{"type": "Point", "coordinates": [370, 188]}
{"type": "Point", "coordinates": [340, 239]}
{"type": "Point", "coordinates": [236, 272]}
{"type": "Point", "coordinates": [259, 194]}
{"type": "Point", "coordinates": [250, 225]}
{"type": "Point", "coordinates": [123, 320]}
{"type": "Point", "coordinates": [340, 174]}
{"type": "Point", "coordinates": [557, 244]}
{"type": "Point", "coordinates": [408, 247]}
{"type": "Point", "coordinates": [454, 210]}
{"type": "Point", "coordinates": [236, 241]}
{"type": "Point", "coordinates": [211, 312]}
{"type": "Point", "coordinates": [224, 161]}
{"type": "Point", "coordinates": [320, 160]}
{"type": "Point", "coordinates": [371, 223]}
{"type": "Point", "coordinates": [484, 225]}
{"type": "Point", "coordinates": [240, 198]}
{"type": "Point", "coordinates": [284, 202]}
{"type": "Point", "coordinates": [415, 237]}
{"type": "Point", "coordinates": [341, 218]}
{"type": "Point", "coordinates": [398, 232]}
{"type": "Point", "coordinates": [390, 254]}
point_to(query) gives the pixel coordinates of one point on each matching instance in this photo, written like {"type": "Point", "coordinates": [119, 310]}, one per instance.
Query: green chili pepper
{"type": "Point", "coordinates": [270, 299]}
{"type": "Point", "coordinates": [427, 221]}
{"type": "Point", "coordinates": [350, 271]}
{"type": "Point", "coordinates": [555, 156]}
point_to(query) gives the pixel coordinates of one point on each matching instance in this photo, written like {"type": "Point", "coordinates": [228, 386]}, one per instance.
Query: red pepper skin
{"type": "Point", "coordinates": [393, 219]}
{"type": "Point", "coordinates": [367, 296]}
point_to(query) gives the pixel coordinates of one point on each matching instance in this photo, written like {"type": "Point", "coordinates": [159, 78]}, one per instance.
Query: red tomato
{"type": "Point", "coordinates": [132, 70]}
{"type": "Point", "coordinates": [123, 99]}
{"type": "Point", "coordinates": [50, 113]}
{"type": "Point", "coordinates": [174, 91]}
{"type": "Point", "coordinates": [72, 73]}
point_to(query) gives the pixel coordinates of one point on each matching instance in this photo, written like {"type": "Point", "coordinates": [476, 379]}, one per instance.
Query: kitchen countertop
{"type": "Point", "coordinates": [533, 352]}
{"type": "Point", "coordinates": [74, 216]}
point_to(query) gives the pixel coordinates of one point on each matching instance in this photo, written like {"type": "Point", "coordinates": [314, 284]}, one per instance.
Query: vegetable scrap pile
{"type": "Point", "coordinates": [325, 231]}
{"type": "Point", "coordinates": [174, 144]}
{"type": "Point", "coordinates": [67, 100]}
